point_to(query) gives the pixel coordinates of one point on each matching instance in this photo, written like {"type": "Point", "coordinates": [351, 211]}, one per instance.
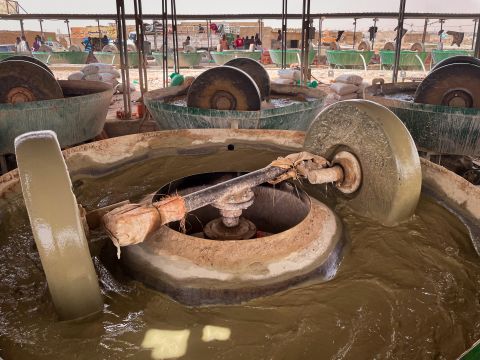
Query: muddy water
{"type": "Point", "coordinates": [409, 292]}
{"type": "Point", "coordinates": [401, 96]}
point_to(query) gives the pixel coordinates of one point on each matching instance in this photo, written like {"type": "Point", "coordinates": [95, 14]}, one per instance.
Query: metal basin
{"type": "Point", "coordinates": [222, 57]}
{"type": "Point", "coordinates": [62, 57]}
{"type": "Point", "coordinates": [186, 60]}
{"type": "Point", "coordinates": [293, 56]}
{"type": "Point", "coordinates": [296, 116]}
{"type": "Point", "coordinates": [343, 58]}
{"type": "Point", "coordinates": [76, 118]}
{"type": "Point", "coordinates": [408, 59]}
{"type": "Point", "coordinates": [114, 58]}
{"type": "Point", "coordinates": [132, 310]}
{"type": "Point", "coordinates": [435, 128]}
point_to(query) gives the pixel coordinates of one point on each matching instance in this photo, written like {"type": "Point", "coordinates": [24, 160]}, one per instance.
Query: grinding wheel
{"type": "Point", "coordinates": [24, 81]}
{"type": "Point", "coordinates": [224, 88]}
{"type": "Point", "coordinates": [57, 229]}
{"type": "Point", "coordinates": [455, 85]}
{"type": "Point", "coordinates": [256, 71]}
{"type": "Point", "coordinates": [364, 45]}
{"type": "Point", "coordinates": [391, 173]}
{"type": "Point", "coordinates": [389, 46]}
{"type": "Point", "coordinates": [30, 59]}
{"type": "Point", "coordinates": [460, 59]}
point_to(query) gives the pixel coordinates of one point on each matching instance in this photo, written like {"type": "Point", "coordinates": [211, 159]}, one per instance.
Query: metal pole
{"type": "Point", "coordinates": [398, 44]}
{"type": "Point", "coordinates": [476, 53]}
{"type": "Point", "coordinates": [165, 41]}
{"type": "Point", "coordinates": [305, 41]}
{"type": "Point", "coordinates": [123, 49]}
{"type": "Point", "coordinates": [424, 35]}
{"type": "Point", "coordinates": [474, 33]}
{"type": "Point", "coordinates": [22, 31]}
{"type": "Point", "coordinates": [354, 31]}
{"type": "Point", "coordinates": [441, 33]}
{"type": "Point", "coordinates": [41, 28]}
{"type": "Point", "coordinates": [175, 36]}
{"type": "Point", "coordinates": [68, 29]}
{"type": "Point", "coordinates": [142, 71]}
{"type": "Point", "coordinates": [208, 39]}
{"type": "Point", "coordinates": [284, 33]}
{"type": "Point", "coordinates": [98, 27]}
{"type": "Point", "coordinates": [319, 52]}
{"type": "Point", "coordinates": [374, 31]}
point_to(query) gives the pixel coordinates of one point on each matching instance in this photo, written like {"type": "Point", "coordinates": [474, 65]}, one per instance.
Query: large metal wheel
{"type": "Point", "coordinates": [30, 59]}
{"type": "Point", "coordinates": [23, 81]}
{"type": "Point", "coordinates": [256, 71]}
{"type": "Point", "coordinates": [224, 88]}
{"type": "Point", "coordinates": [455, 85]}
{"type": "Point", "coordinates": [460, 59]}
{"type": "Point", "coordinates": [390, 166]}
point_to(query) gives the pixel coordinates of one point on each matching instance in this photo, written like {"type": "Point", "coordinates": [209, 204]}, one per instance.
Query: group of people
{"type": "Point", "coordinates": [241, 43]}
{"type": "Point", "coordinates": [22, 46]}
{"type": "Point", "coordinates": [88, 43]}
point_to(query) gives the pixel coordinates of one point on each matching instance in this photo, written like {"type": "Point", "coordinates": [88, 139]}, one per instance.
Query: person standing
{"type": "Point", "coordinates": [37, 43]}
{"type": "Point", "coordinates": [223, 43]}
{"type": "Point", "coordinates": [87, 42]}
{"type": "Point", "coordinates": [105, 41]}
{"type": "Point", "coordinates": [239, 42]}
{"type": "Point", "coordinates": [22, 46]}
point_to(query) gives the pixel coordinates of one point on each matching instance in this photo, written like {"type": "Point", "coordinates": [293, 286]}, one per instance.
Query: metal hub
{"type": "Point", "coordinates": [223, 100]}
{"type": "Point", "coordinates": [458, 98]}
{"type": "Point", "coordinates": [217, 230]}
{"type": "Point", "coordinates": [20, 95]}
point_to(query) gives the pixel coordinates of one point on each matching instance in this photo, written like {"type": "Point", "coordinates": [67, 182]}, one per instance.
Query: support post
{"type": "Point", "coordinates": [284, 33]}
{"type": "Point", "coordinates": [165, 41]}
{"type": "Point", "coordinates": [424, 35]}
{"type": "Point", "coordinates": [319, 52]}
{"type": "Point", "coordinates": [124, 67]}
{"type": "Point", "coordinates": [374, 32]}
{"type": "Point", "coordinates": [474, 32]}
{"type": "Point", "coordinates": [99, 31]}
{"type": "Point", "coordinates": [175, 36]}
{"type": "Point", "coordinates": [398, 44]}
{"type": "Point", "coordinates": [22, 30]}
{"type": "Point", "coordinates": [476, 52]}
{"type": "Point", "coordinates": [441, 33]}
{"type": "Point", "coordinates": [304, 66]}
{"type": "Point", "coordinates": [139, 28]}
{"type": "Point", "coordinates": [68, 29]}
{"type": "Point", "coordinates": [41, 28]}
{"type": "Point", "coordinates": [354, 32]}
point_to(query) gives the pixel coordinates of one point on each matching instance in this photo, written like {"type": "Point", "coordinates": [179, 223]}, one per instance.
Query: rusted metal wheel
{"type": "Point", "coordinates": [417, 47]}
{"type": "Point", "coordinates": [364, 45]}
{"type": "Point", "coordinates": [391, 174]}
{"type": "Point", "coordinates": [30, 59]}
{"type": "Point", "coordinates": [224, 88]}
{"type": "Point", "coordinates": [389, 46]}
{"type": "Point", "coordinates": [256, 71]}
{"type": "Point", "coordinates": [453, 85]}
{"type": "Point", "coordinates": [23, 81]}
{"type": "Point", "coordinates": [461, 59]}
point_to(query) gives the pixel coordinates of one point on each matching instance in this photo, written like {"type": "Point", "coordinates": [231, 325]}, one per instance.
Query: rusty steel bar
{"type": "Point", "coordinates": [122, 47]}
{"type": "Point", "coordinates": [354, 32]}
{"type": "Point", "coordinates": [211, 194]}
{"type": "Point", "coordinates": [474, 33]}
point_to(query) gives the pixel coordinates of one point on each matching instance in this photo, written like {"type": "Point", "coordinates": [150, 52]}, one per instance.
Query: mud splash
{"type": "Point", "coordinates": [408, 292]}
